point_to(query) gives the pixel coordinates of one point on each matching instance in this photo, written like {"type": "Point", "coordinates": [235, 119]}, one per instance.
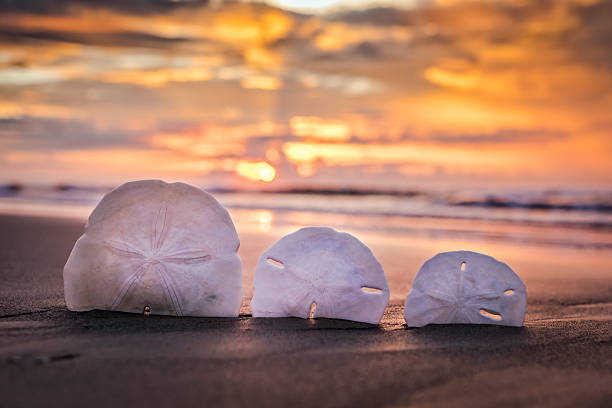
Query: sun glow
{"type": "Point", "coordinates": [267, 83]}
{"type": "Point", "coordinates": [256, 171]}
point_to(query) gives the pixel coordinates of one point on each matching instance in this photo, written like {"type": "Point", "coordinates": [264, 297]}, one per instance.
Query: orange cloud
{"type": "Point", "coordinates": [214, 140]}
{"type": "Point", "coordinates": [350, 154]}
{"type": "Point", "coordinates": [243, 24]}
{"type": "Point", "coordinates": [404, 90]}
{"type": "Point", "coordinates": [261, 57]}
{"type": "Point", "coordinates": [320, 128]}
{"type": "Point", "coordinates": [158, 77]}
{"type": "Point", "coordinates": [337, 36]}
{"type": "Point", "coordinates": [197, 145]}
{"type": "Point", "coordinates": [256, 171]}
{"type": "Point", "coordinates": [10, 110]}
{"type": "Point", "coordinates": [268, 83]}
{"type": "Point", "coordinates": [110, 164]}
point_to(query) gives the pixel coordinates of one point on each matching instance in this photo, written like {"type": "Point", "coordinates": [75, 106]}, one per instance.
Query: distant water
{"type": "Point", "coordinates": [574, 218]}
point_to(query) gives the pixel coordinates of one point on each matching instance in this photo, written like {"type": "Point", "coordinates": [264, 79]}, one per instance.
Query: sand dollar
{"type": "Point", "coordinates": [156, 248]}
{"type": "Point", "coordinates": [321, 269]}
{"type": "Point", "coordinates": [465, 287]}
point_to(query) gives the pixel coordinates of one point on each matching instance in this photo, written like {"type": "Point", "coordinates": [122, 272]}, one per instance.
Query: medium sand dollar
{"type": "Point", "coordinates": [156, 248]}
{"type": "Point", "coordinates": [465, 287]}
{"type": "Point", "coordinates": [321, 272]}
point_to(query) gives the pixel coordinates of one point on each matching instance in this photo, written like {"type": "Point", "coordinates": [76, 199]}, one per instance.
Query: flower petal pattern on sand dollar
{"type": "Point", "coordinates": [169, 248]}
{"type": "Point", "coordinates": [465, 287]}
{"type": "Point", "coordinates": [321, 272]}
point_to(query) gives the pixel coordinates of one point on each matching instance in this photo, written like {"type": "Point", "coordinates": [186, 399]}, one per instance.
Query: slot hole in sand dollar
{"type": "Point", "coordinates": [275, 262]}
{"type": "Point", "coordinates": [369, 289]}
{"type": "Point", "coordinates": [491, 314]}
{"type": "Point", "coordinates": [509, 292]}
{"type": "Point", "coordinates": [463, 266]}
{"type": "Point", "coordinates": [313, 309]}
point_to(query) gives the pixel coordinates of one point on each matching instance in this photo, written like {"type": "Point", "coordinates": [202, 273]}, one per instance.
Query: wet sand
{"type": "Point", "coordinates": [52, 357]}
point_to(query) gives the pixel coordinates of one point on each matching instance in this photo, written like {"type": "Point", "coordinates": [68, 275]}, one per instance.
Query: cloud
{"type": "Point", "coordinates": [215, 140]}
{"type": "Point", "coordinates": [134, 6]}
{"type": "Point", "coordinates": [114, 39]}
{"type": "Point", "coordinates": [35, 133]}
{"type": "Point", "coordinates": [441, 88]}
{"type": "Point", "coordinates": [502, 136]}
{"type": "Point", "coordinates": [264, 82]}
{"type": "Point", "coordinates": [158, 77]}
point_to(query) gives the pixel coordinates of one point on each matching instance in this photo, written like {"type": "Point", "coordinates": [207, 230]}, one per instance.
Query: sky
{"type": "Point", "coordinates": [318, 94]}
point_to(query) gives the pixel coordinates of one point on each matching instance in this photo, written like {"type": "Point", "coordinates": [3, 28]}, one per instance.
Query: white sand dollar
{"type": "Point", "coordinates": [157, 248]}
{"type": "Point", "coordinates": [465, 287]}
{"type": "Point", "coordinates": [321, 269]}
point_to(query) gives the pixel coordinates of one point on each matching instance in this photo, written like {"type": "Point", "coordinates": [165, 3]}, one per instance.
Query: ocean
{"type": "Point", "coordinates": [564, 234]}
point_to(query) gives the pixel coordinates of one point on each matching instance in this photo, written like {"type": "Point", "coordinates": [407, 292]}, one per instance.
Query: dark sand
{"type": "Point", "coordinates": [52, 357]}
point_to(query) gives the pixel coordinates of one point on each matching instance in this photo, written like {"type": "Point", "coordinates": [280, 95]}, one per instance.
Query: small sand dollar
{"type": "Point", "coordinates": [156, 248]}
{"type": "Point", "coordinates": [465, 287]}
{"type": "Point", "coordinates": [320, 272]}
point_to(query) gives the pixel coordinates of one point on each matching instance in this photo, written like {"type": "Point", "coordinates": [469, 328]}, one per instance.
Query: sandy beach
{"type": "Point", "coordinates": [50, 356]}
{"type": "Point", "coordinates": [419, 127]}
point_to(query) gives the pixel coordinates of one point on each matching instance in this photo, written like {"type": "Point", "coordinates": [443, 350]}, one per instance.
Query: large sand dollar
{"type": "Point", "coordinates": [465, 287]}
{"type": "Point", "coordinates": [158, 248]}
{"type": "Point", "coordinates": [320, 271]}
